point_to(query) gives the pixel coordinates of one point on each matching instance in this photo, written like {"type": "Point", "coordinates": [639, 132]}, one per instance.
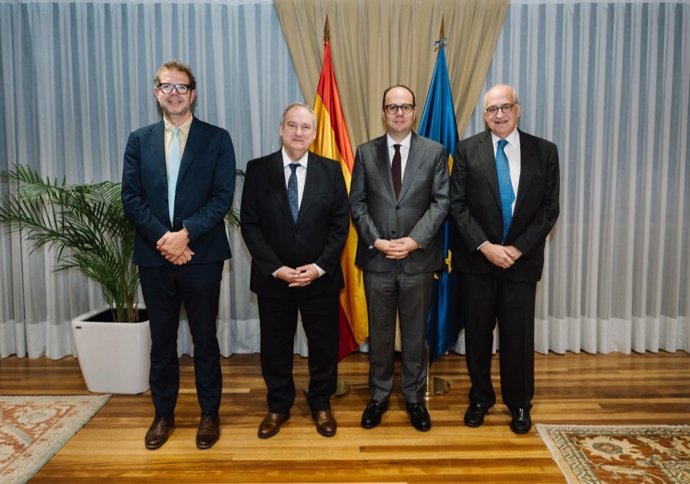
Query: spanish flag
{"type": "Point", "coordinates": [332, 141]}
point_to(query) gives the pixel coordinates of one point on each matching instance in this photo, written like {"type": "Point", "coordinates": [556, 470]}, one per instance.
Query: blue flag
{"type": "Point", "coordinates": [438, 123]}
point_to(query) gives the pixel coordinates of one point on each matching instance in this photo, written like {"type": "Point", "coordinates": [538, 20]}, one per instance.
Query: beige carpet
{"type": "Point", "coordinates": [620, 454]}
{"type": "Point", "coordinates": [34, 428]}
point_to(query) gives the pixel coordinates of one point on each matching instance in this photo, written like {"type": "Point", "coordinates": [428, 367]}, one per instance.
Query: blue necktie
{"type": "Point", "coordinates": [505, 187]}
{"type": "Point", "coordinates": [174, 158]}
{"type": "Point", "coordinates": [292, 191]}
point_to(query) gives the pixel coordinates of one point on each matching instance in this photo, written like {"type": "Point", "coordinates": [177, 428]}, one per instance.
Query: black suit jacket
{"type": "Point", "coordinates": [274, 239]}
{"type": "Point", "coordinates": [205, 187]}
{"type": "Point", "coordinates": [475, 205]}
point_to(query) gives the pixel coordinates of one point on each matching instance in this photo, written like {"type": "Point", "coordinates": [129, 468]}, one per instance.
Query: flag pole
{"type": "Point", "coordinates": [342, 153]}
{"type": "Point", "coordinates": [435, 385]}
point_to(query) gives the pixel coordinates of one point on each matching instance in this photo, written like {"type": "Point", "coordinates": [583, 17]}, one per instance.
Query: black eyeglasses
{"type": "Point", "coordinates": [393, 108]}
{"type": "Point", "coordinates": [506, 108]}
{"type": "Point", "coordinates": [168, 88]}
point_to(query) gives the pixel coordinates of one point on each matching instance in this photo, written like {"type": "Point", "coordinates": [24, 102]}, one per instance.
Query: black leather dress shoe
{"type": "Point", "coordinates": [372, 414]}
{"type": "Point", "coordinates": [474, 416]}
{"type": "Point", "coordinates": [419, 416]}
{"type": "Point", "coordinates": [208, 432]}
{"type": "Point", "coordinates": [159, 431]}
{"type": "Point", "coordinates": [271, 423]}
{"type": "Point", "coordinates": [325, 422]}
{"type": "Point", "coordinates": [521, 422]}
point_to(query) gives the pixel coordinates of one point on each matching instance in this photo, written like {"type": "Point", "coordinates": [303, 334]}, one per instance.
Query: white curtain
{"type": "Point", "coordinates": [608, 82]}
{"type": "Point", "coordinates": [76, 79]}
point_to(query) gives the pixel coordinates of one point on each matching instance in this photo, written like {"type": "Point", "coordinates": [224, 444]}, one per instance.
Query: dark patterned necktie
{"type": "Point", "coordinates": [292, 191]}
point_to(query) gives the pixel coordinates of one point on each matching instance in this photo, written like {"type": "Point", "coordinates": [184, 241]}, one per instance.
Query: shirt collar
{"type": "Point", "coordinates": [405, 142]}
{"type": "Point", "coordinates": [513, 139]}
{"type": "Point", "coordinates": [184, 127]}
{"type": "Point", "coordinates": [287, 161]}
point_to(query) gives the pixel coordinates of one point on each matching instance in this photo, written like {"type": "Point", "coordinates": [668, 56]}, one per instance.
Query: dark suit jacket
{"type": "Point", "coordinates": [418, 212]}
{"type": "Point", "coordinates": [475, 205]}
{"type": "Point", "coordinates": [275, 240]}
{"type": "Point", "coordinates": [205, 187]}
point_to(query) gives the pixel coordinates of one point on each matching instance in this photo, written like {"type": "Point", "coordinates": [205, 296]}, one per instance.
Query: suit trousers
{"type": "Point", "coordinates": [278, 323]}
{"type": "Point", "coordinates": [486, 299]}
{"type": "Point", "coordinates": [165, 288]}
{"type": "Point", "coordinates": [407, 296]}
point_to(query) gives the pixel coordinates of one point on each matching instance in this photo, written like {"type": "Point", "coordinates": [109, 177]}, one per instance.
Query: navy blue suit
{"type": "Point", "coordinates": [204, 192]}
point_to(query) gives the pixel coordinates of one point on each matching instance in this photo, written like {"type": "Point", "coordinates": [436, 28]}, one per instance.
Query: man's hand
{"type": "Point", "coordinates": [503, 256]}
{"type": "Point", "coordinates": [173, 246]}
{"type": "Point", "coordinates": [299, 277]}
{"type": "Point", "coordinates": [396, 248]}
{"type": "Point", "coordinates": [184, 258]}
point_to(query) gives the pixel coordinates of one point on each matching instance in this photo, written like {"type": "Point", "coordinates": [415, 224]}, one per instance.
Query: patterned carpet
{"type": "Point", "coordinates": [620, 454]}
{"type": "Point", "coordinates": [34, 428]}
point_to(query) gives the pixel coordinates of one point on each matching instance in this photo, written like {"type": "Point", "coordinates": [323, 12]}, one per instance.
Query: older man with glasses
{"type": "Point", "coordinates": [504, 202]}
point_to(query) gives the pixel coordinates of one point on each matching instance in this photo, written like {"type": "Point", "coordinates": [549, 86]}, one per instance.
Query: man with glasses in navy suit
{"type": "Point", "coordinates": [177, 185]}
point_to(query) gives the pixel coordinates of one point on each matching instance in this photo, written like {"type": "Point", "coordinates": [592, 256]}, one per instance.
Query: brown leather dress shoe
{"type": "Point", "coordinates": [325, 422]}
{"type": "Point", "coordinates": [271, 423]}
{"type": "Point", "coordinates": [159, 431]}
{"type": "Point", "coordinates": [208, 432]}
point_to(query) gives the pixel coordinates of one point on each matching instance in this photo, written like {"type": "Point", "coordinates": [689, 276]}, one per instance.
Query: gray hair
{"type": "Point", "coordinates": [301, 105]}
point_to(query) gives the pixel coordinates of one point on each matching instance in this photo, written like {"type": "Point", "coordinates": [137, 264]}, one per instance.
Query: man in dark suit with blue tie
{"type": "Point", "coordinates": [295, 221]}
{"type": "Point", "coordinates": [177, 185]}
{"type": "Point", "coordinates": [504, 202]}
{"type": "Point", "coordinates": [398, 200]}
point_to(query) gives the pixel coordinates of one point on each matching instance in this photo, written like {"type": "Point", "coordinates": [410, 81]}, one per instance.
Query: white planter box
{"type": "Point", "coordinates": [113, 357]}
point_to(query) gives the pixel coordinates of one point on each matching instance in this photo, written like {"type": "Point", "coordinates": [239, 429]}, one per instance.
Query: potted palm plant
{"type": "Point", "coordinates": [89, 231]}
{"type": "Point", "coordinates": [86, 226]}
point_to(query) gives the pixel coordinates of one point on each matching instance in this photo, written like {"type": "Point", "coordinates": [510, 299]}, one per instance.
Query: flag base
{"type": "Point", "coordinates": [436, 386]}
{"type": "Point", "coordinates": [342, 388]}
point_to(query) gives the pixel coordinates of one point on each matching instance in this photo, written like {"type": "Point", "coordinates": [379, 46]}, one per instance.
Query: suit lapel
{"type": "Point", "coordinates": [383, 163]}
{"type": "Point", "coordinates": [158, 147]}
{"type": "Point", "coordinates": [415, 158]}
{"type": "Point", "coordinates": [194, 143]}
{"type": "Point", "coordinates": [488, 157]}
{"type": "Point", "coordinates": [276, 174]}
{"type": "Point", "coordinates": [527, 155]}
{"type": "Point", "coordinates": [310, 185]}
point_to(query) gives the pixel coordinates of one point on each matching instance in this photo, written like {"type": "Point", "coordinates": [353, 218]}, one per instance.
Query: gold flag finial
{"type": "Point", "coordinates": [327, 31]}
{"type": "Point", "coordinates": [441, 39]}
